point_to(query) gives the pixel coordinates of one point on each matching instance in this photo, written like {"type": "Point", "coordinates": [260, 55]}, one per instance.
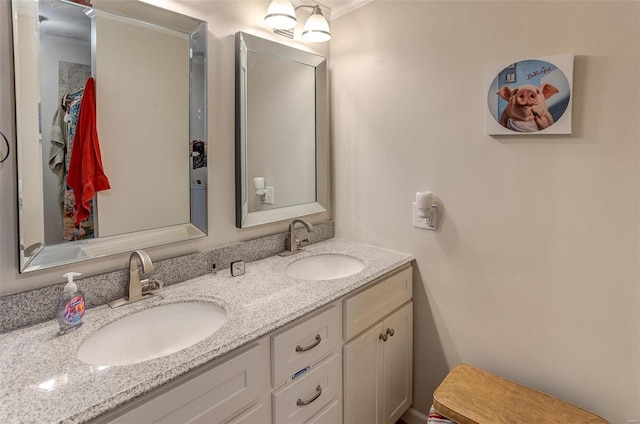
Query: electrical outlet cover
{"type": "Point", "coordinates": [269, 196]}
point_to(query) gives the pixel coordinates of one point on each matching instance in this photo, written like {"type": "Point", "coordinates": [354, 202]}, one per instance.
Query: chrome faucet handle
{"type": "Point", "coordinates": [150, 286]}
{"type": "Point", "coordinates": [306, 238]}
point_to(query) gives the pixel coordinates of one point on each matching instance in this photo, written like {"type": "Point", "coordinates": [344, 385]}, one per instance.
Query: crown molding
{"type": "Point", "coordinates": [333, 8]}
{"type": "Point", "coordinates": [339, 8]}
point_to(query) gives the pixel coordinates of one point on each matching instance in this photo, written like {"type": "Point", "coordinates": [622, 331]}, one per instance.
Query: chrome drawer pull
{"type": "Point", "coordinates": [301, 402]}
{"type": "Point", "coordinates": [300, 349]}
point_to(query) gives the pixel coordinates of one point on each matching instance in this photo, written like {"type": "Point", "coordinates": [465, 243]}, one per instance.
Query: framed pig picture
{"type": "Point", "coordinates": [532, 96]}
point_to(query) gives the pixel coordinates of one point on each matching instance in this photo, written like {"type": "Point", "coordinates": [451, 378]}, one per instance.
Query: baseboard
{"type": "Point", "coordinates": [413, 416]}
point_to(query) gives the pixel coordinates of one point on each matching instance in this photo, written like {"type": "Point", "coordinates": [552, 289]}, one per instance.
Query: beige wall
{"type": "Point", "coordinates": [535, 271]}
{"type": "Point", "coordinates": [225, 18]}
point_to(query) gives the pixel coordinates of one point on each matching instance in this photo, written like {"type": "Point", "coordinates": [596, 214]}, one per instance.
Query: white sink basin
{"type": "Point", "coordinates": [324, 267]}
{"type": "Point", "coordinates": [152, 333]}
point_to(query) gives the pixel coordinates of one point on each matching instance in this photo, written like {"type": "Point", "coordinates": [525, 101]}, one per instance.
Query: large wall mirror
{"type": "Point", "coordinates": [149, 66]}
{"type": "Point", "coordinates": [282, 132]}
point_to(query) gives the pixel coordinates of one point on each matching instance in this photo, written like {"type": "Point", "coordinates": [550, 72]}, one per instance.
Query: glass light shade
{"type": "Point", "coordinates": [281, 15]}
{"type": "Point", "coordinates": [316, 29]}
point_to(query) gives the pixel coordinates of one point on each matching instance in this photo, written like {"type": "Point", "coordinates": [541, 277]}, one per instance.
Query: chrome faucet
{"type": "Point", "coordinates": [138, 289]}
{"type": "Point", "coordinates": [293, 243]}
{"type": "Point", "coordinates": [138, 258]}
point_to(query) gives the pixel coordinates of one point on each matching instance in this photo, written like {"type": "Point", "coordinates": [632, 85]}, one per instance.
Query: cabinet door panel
{"type": "Point", "coordinates": [258, 413]}
{"type": "Point", "coordinates": [331, 414]}
{"type": "Point", "coordinates": [210, 397]}
{"type": "Point", "coordinates": [366, 308]}
{"type": "Point", "coordinates": [364, 379]}
{"type": "Point", "coordinates": [398, 363]}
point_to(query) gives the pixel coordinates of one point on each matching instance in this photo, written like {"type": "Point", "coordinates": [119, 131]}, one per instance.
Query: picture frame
{"type": "Point", "coordinates": [530, 96]}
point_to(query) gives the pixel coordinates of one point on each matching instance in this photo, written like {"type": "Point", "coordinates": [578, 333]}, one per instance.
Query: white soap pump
{"type": "Point", "coordinates": [71, 305]}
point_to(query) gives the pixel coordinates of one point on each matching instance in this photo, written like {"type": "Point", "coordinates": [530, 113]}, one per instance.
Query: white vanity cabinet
{"type": "Point", "coordinates": [306, 369]}
{"type": "Point", "coordinates": [228, 391]}
{"type": "Point", "coordinates": [378, 355]}
{"type": "Point", "coordinates": [303, 372]}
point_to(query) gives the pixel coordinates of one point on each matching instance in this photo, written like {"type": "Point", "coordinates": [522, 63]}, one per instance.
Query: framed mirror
{"type": "Point", "coordinates": [148, 66]}
{"type": "Point", "coordinates": [282, 132]}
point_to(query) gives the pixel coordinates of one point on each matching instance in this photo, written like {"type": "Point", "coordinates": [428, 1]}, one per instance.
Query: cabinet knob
{"type": "Point", "coordinates": [383, 337]}
{"type": "Point", "coordinates": [301, 349]}
{"type": "Point", "coordinates": [390, 332]}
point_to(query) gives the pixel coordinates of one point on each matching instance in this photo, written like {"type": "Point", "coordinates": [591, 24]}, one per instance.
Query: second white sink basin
{"type": "Point", "coordinates": [152, 333]}
{"type": "Point", "coordinates": [324, 267]}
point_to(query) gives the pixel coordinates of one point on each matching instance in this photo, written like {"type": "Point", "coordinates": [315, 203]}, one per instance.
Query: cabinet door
{"type": "Point", "coordinates": [363, 378]}
{"type": "Point", "coordinates": [212, 396]}
{"type": "Point", "coordinates": [330, 414]}
{"type": "Point", "coordinates": [258, 413]}
{"type": "Point", "coordinates": [398, 363]}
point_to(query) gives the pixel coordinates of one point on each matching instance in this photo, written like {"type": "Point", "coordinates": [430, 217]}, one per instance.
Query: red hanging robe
{"type": "Point", "coordinates": [86, 175]}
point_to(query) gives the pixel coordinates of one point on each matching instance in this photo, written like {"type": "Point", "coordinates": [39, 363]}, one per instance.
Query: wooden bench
{"type": "Point", "coordinates": [469, 395]}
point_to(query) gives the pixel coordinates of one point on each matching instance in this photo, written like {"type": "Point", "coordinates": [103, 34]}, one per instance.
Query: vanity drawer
{"type": "Point", "coordinates": [304, 344]}
{"type": "Point", "coordinates": [364, 309]}
{"type": "Point", "coordinates": [322, 386]}
{"type": "Point", "coordinates": [210, 397]}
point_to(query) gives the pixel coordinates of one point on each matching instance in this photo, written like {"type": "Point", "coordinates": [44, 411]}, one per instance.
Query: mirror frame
{"type": "Point", "coordinates": [39, 256]}
{"type": "Point", "coordinates": [245, 218]}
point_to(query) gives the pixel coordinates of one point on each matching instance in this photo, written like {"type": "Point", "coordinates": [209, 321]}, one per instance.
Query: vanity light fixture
{"type": "Point", "coordinates": [281, 15]}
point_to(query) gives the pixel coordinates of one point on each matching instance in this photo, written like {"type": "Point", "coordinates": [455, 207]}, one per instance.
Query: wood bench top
{"type": "Point", "coordinates": [469, 395]}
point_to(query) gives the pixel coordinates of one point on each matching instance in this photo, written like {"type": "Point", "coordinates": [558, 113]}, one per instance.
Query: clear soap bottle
{"type": "Point", "coordinates": [71, 305]}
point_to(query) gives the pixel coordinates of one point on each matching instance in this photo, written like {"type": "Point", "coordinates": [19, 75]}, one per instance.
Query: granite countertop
{"type": "Point", "coordinates": [43, 381]}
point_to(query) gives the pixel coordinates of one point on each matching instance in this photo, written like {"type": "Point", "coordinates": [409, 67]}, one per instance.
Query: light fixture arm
{"type": "Point", "coordinates": [315, 9]}
{"type": "Point", "coordinates": [309, 6]}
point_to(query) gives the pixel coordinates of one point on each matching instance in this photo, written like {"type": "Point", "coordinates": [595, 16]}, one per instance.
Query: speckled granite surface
{"type": "Point", "coordinates": [256, 303]}
{"type": "Point", "coordinates": [35, 306]}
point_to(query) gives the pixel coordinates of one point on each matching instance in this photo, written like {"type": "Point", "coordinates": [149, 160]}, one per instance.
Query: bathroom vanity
{"type": "Point", "coordinates": [290, 350]}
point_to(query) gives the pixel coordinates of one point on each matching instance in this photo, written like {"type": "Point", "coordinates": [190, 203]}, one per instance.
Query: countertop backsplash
{"type": "Point", "coordinates": [34, 306]}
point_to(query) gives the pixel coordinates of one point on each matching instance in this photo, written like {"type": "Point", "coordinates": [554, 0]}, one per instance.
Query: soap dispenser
{"type": "Point", "coordinates": [70, 305]}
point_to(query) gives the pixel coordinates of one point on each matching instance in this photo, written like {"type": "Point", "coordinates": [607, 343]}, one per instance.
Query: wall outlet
{"type": "Point", "coordinates": [419, 222]}
{"type": "Point", "coordinates": [268, 196]}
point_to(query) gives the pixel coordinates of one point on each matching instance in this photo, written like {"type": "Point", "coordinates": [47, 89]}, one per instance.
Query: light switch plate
{"type": "Point", "coordinates": [237, 268]}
